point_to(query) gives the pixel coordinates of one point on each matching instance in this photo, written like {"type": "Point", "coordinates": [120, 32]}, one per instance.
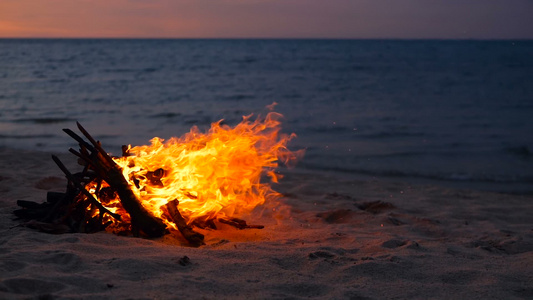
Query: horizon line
{"type": "Point", "coordinates": [270, 38]}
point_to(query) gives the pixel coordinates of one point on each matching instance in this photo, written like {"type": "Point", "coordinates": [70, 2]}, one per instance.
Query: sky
{"type": "Point", "coordinates": [403, 19]}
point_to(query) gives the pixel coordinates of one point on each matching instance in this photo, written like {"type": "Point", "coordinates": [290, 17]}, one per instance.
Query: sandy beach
{"type": "Point", "coordinates": [329, 237]}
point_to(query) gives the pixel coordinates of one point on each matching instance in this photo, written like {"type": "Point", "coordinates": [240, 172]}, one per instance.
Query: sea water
{"type": "Point", "coordinates": [443, 112]}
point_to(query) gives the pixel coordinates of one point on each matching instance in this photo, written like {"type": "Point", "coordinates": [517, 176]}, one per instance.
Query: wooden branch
{"type": "Point", "coordinates": [239, 224]}
{"type": "Point", "coordinates": [32, 210]}
{"type": "Point", "coordinates": [140, 217]}
{"type": "Point", "coordinates": [78, 139]}
{"type": "Point", "coordinates": [209, 223]}
{"type": "Point", "coordinates": [82, 188]}
{"type": "Point", "coordinates": [54, 197]}
{"type": "Point", "coordinates": [96, 144]}
{"type": "Point", "coordinates": [194, 238]}
{"type": "Point", "coordinates": [28, 204]}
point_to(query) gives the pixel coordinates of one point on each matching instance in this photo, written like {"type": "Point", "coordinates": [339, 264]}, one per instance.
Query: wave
{"type": "Point", "coordinates": [246, 60]}
{"type": "Point", "coordinates": [358, 134]}
{"type": "Point", "coordinates": [238, 97]}
{"type": "Point", "coordinates": [520, 151]}
{"type": "Point", "coordinates": [130, 70]}
{"type": "Point", "coordinates": [27, 136]}
{"type": "Point", "coordinates": [388, 134]}
{"type": "Point", "coordinates": [453, 177]}
{"type": "Point", "coordinates": [167, 115]}
{"type": "Point", "coordinates": [44, 120]}
{"type": "Point", "coordinates": [328, 129]}
{"type": "Point", "coordinates": [123, 70]}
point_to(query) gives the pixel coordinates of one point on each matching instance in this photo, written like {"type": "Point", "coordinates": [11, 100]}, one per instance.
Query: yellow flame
{"type": "Point", "coordinates": [212, 174]}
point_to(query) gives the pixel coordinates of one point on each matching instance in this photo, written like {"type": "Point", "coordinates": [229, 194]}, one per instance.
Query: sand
{"type": "Point", "coordinates": [330, 237]}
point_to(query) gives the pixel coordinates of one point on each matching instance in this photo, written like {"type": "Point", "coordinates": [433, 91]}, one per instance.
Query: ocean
{"type": "Point", "coordinates": [444, 112]}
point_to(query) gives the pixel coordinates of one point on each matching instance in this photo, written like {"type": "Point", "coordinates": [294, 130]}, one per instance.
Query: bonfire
{"type": "Point", "coordinates": [197, 180]}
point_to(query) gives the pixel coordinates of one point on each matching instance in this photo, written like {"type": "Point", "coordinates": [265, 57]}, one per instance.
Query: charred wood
{"type": "Point", "coordinates": [125, 151]}
{"type": "Point", "coordinates": [140, 217]}
{"type": "Point", "coordinates": [194, 238]}
{"type": "Point", "coordinates": [82, 189]}
{"type": "Point", "coordinates": [239, 224]}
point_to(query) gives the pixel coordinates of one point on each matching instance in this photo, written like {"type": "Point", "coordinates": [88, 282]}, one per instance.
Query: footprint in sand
{"type": "Point", "coordinates": [376, 207]}
{"type": "Point", "coordinates": [338, 216]}
{"type": "Point", "coordinates": [394, 243]}
{"type": "Point", "coordinates": [397, 243]}
{"type": "Point", "coordinates": [51, 182]}
{"type": "Point", "coordinates": [507, 245]}
{"type": "Point", "coordinates": [321, 254]}
{"type": "Point", "coordinates": [460, 277]}
{"type": "Point", "coordinates": [12, 265]}
{"type": "Point", "coordinates": [65, 261]}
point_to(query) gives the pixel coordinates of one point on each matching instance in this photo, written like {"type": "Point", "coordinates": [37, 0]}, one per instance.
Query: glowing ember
{"type": "Point", "coordinates": [212, 175]}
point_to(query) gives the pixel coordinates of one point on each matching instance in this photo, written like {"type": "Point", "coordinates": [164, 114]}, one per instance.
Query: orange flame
{"type": "Point", "coordinates": [213, 174]}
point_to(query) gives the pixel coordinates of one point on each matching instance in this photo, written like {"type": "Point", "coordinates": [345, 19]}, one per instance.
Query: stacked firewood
{"type": "Point", "coordinates": [77, 210]}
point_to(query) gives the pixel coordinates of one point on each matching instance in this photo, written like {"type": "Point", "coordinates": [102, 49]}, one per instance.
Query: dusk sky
{"type": "Point", "coordinates": [464, 19]}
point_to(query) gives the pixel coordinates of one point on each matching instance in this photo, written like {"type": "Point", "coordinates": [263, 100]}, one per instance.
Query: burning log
{"type": "Point", "coordinates": [155, 177]}
{"type": "Point", "coordinates": [193, 237]}
{"type": "Point", "coordinates": [239, 224]}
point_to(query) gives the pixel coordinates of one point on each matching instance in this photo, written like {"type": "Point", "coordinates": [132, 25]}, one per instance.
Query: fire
{"type": "Point", "coordinates": [215, 174]}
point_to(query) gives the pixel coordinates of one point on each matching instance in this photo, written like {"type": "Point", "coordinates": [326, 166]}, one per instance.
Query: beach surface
{"type": "Point", "coordinates": [329, 237]}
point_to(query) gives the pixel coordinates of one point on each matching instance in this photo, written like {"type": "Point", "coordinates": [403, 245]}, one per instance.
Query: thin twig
{"type": "Point", "coordinates": [82, 189]}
